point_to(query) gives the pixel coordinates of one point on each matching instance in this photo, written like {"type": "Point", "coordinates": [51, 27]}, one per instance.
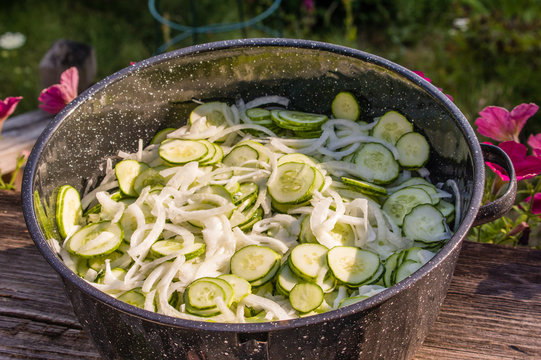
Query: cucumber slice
{"type": "Point", "coordinates": [401, 202]}
{"type": "Point", "coordinates": [286, 280]}
{"type": "Point", "coordinates": [256, 264]}
{"type": "Point", "coordinates": [226, 287]}
{"type": "Point", "coordinates": [405, 269]}
{"type": "Point", "coordinates": [296, 157]}
{"type": "Point", "coordinates": [391, 126]}
{"type": "Point", "coordinates": [298, 120]}
{"type": "Point", "coordinates": [259, 114]}
{"type": "Point", "coordinates": [126, 171]}
{"type": "Point", "coordinates": [134, 298]}
{"type": "Point", "coordinates": [167, 247]}
{"type": "Point", "coordinates": [424, 223]}
{"type": "Point", "coordinates": [241, 287]}
{"type": "Point", "coordinates": [68, 212]}
{"type": "Point", "coordinates": [241, 156]}
{"type": "Point", "coordinates": [118, 273]}
{"type": "Point", "coordinates": [377, 276]}
{"type": "Point", "coordinates": [306, 235]}
{"type": "Point", "coordinates": [161, 135]}
{"type": "Point", "coordinates": [446, 208]}
{"type": "Point", "coordinates": [390, 267]}
{"type": "Point", "coordinates": [345, 106]}
{"type": "Point", "coordinates": [377, 162]}
{"type": "Point", "coordinates": [343, 233]}
{"type": "Point", "coordinates": [211, 150]}
{"type": "Point", "coordinates": [307, 260]}
{"type": "Point", "coordinates": [430, 190]}
{"type": "Point", "coordinates": [352, 265]}
{"type": "Point", "coordinates": [293, 184]}
{"type": "Point", "coordinates": [248, 190]}
{"type": "Point", "coordinates": [180, 151]}
{"type": "Point", "coordinates": [364, 187]}
{"type": "Point", "coordinates": [95, 239]}
{"type": "Point", "coordinates": [305, 297]}
{"type": "Point", "coordinates": [148, 177]}
{"type": "Point", "coordinates": [413, 150]}
{"type": "Point", "coordinates": [351, 300]}
{"type": "Point", "coordinates": [257, 215]}
{"type": "Point", "coordinates": [216, 158]}
{"type": "Point", "coordinates": [215, 113]}
{"type": "Point", "coordinates": [199, 296]}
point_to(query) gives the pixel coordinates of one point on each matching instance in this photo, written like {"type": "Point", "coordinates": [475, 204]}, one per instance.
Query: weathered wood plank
{"type": "Point", "coordinates": [492, 311]}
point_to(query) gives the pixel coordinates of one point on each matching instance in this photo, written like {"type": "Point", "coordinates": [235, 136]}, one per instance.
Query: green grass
{"type": "Point", "coordinates": [496, 61]}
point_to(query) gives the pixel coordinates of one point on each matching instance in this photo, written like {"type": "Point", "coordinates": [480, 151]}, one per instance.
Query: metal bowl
{"type": "Point", "coordinates": [135, 102]}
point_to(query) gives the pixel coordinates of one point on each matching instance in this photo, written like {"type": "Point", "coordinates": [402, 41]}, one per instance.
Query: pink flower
{"type": "Point", "coordinates": [56, 97]}
{"type": "Point", "coordinates": [535, 143]}
{"type": "Point", "coordinates": [536, 205]}
{"type": "Point", "coordinates": [7, 107]}
{"type": "Point", "coordinates": [309, 5]}
{"type": "Point", "coordinates": [499, 124]}
{"type": "Point", "coordinates": [526, 166]}
{"type": "Point", "coordinates": [421, 74]}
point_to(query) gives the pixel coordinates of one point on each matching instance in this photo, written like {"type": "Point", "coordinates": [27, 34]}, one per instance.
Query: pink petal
{"type": "Point", "coordinates": [421, 74]}
{"type": "Point", "coordinates": [69, 80]}
{"type": "Point", "coordinates": [52, 99]}
{"type": "Point", "coordinates": [535, 143]}
{"type": "Point", "coordinates": [7, 107]}
{"type": "Point", "coordinates": [520, 114]}
{"type": "Point", "coordinates": [525, 166]}
{"type": "Point", "coordinates": [536, 205]}
{"type": "Point", "coordinates": [493, 123]}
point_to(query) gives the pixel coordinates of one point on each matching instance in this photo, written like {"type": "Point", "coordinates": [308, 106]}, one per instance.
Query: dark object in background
{"type": "Point", "coordinates": [63, 55]}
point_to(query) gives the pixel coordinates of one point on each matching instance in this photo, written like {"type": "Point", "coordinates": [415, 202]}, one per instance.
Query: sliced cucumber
{"type": "Point", "coordinates": [305, 297]}
{"type": "Point", "coordinates": [181, 151]}
{"type": "Point", "coordinates": [377, 162]}
{"type": "Point", "coordinates": [343, 233]}
{"type": "Point", "coordinates": [306, 235]}
{"type": "Point", "coordinates": [133, 297]}
{"type": "Point", "coordinates": [161, 135]}
{"type": "Point", "coordinates": [345, 106]}
{"type": "Point", "coordinates": [126, 171]}
{"type": "Point", "coordinates": [200, 295]}
{"type": "Point", "coordinates": [307, 260]}
{"type": "Point", "coordinates": [352, 265]}
{"type": "Point", "coordinates": [413, 150]}
{"type": "Point", "coordinates": [293, 184]}
{"type": "Point", "coordinates": [296, 157]}
{"type": "Point", "coordinates": [216, 158]}
{"type": "Point", "coordinates": [215, 113]}
{"type": "Point", "coordinates": [241, 156]}
{"type": "Point", "coordinates": [351, 300]}
{"type": "Point", "coordinates": [430, 190]}
{"type": "Point", "coordinates": [405, 269]}
{"type": "Point", "coordinates": [248, 190]}
{"type": "Point", "coordinates": [424, 223]}
{"type": "Point", "coordinates": [286, 280]}
{"type": "Point", "coordinates": [167, 247]}
{"type": "Point", "coordinates": [148, 177]}
{"type": "Point", "coordinates": [241, 287]}
{"type": "Point", "coordinates": [391, 126]}
{"type": "Point", "coordinates": [256, 264]}
{"type": "Point", "coordinates": [401, 202]}
{"type": "Point", "coordinates": [297, 120]}
{"type": "Point", "coordinates": [68, 212]}
{"type": "Point", "coordinates": [364, 187]}
{"type": "Point", "coordinates": [259, 114]}
{"type": "Point", "coordinates": [390, 267]}
{"type": "Point", "coordinates": [446, 208]}
{"type": "Point", "coordinates": [95, 239]}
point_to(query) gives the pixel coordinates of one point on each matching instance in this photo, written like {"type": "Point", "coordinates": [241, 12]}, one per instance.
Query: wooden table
{"type": "Point", "coordinates": [492, 310]}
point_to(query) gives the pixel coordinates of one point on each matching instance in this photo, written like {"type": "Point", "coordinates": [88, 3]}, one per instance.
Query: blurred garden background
{"type": "Point", "coordinates": [482, 52]}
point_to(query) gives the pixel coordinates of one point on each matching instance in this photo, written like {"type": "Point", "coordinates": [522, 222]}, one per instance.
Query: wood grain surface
{"type": "Point", "coordinates": [492, 310]}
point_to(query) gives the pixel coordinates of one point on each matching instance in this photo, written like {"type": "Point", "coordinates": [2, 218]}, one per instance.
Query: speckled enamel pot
{"type": "Point", "coordinates": [137, 101]}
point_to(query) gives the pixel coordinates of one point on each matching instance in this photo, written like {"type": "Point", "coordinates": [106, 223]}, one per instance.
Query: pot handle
{"type": "Point", "coordinates": [502, 205]}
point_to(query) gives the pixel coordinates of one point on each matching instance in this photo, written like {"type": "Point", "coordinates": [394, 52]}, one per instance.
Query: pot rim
{"type": "Point", "coordinates": [74, 279]}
